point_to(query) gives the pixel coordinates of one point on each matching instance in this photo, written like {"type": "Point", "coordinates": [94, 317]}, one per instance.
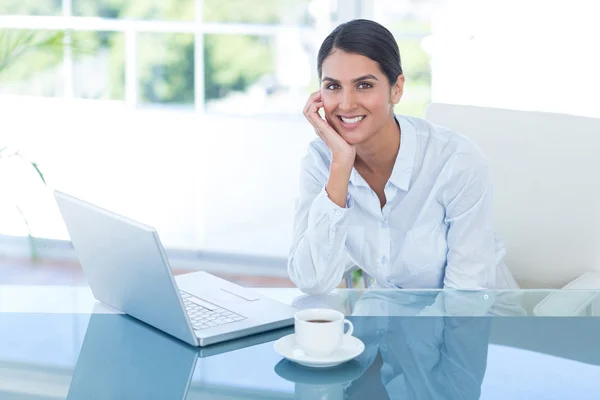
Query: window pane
{"type": "Point", "coordinates": [410, 22]}
{"type": "Point", "coordinates": [99, 65]}
{"type": "Point", "coordinates": [176, 10]}
{"type": "Point", "coordinates": [31, 62]}
{"type": "Point", "coordinates": [247, 74]}
{"type": "Point", "coordinates": [30, 7]}
{"type": "Point", "coordinates": [247, 11]}
{"type": "Point", "coordinates": [417, 73]}
{"type": "Point", "coordinates": [166, 68]}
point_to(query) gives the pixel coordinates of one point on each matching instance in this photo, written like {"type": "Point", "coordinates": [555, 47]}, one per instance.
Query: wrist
{"type": "Point", "coordinates": [342, 163]}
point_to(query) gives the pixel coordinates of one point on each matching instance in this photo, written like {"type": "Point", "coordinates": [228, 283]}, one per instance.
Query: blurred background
{"type": "Point", "coordinates": [186, 114]}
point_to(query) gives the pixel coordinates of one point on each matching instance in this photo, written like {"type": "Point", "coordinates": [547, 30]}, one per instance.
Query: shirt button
{"type": "Point", "coordinates": [338, 212]}
{"type": "Point", "coordinates": [384, 224]}
{"type": "Point", "coordinates": [383, 259]}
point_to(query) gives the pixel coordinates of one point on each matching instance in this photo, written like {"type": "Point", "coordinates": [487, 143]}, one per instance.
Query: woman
{"type": "Point", "coordinates": [405, 200]}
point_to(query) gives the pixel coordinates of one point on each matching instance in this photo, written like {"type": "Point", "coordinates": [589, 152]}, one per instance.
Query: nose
{"type": "Point", "coordinates": [347, 101]}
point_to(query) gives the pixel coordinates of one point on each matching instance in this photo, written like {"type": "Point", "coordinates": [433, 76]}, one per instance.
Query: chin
{"type": "Point", "coordinates": [354, 138]}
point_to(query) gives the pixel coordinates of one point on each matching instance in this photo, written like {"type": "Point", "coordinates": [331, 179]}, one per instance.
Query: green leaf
{"type": "Point", "coordinates": [33, 164]}
{"type": "Point", "coordinates": [30, 237]}
{"type": "Point", "coordinates": [16, 44]}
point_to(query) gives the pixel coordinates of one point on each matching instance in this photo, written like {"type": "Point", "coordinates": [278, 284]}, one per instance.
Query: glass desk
{"type": "Point", "coordinates": [57, 343]}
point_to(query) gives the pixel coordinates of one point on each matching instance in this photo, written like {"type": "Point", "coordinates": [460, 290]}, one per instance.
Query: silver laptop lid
{"type": "Point", "coordinates": [126, 266]}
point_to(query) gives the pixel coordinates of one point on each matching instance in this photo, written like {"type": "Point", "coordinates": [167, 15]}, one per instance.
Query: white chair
{"type": "Point", "coordinates": [546, 171]}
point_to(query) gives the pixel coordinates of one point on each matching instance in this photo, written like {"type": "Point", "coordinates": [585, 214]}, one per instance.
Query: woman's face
{"type": "Point", "coordinates": [357, 97]}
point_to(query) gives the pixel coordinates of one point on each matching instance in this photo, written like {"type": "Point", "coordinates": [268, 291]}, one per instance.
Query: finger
{"type": "Point", "coordinates": [322, 127]}
{"type": "Point", "coordinates": [315, 96]}
{"type": "Point", "coordinates": [313, 115]}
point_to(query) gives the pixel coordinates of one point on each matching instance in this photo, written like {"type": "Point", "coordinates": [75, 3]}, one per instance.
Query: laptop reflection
{"type": "Point", "coordinates": [122, 358]}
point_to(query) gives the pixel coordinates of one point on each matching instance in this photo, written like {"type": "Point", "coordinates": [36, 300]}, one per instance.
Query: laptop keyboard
{"type": "Point", "coordinates": [207, 316]}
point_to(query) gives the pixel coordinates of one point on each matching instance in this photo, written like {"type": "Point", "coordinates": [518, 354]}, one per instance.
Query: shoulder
{"type": "Point", "coordinates": [318, 154]}
{"type": "Point", "coordinates": [317, 160]}
{"type": "Point", "coordinates": [446, 144]}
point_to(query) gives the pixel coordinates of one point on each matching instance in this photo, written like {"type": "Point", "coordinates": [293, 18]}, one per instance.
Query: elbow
{"type": "Point", "coordinates": [307, 281]}
{"type": "Point", "coordinates": [316, 289]}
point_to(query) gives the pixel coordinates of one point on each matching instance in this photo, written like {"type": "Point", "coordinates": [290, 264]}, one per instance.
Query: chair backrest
{"type": "Point", "coordinates": [546, 171]}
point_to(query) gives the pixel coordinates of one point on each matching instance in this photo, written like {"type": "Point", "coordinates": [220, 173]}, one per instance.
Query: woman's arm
{"type": "Point", "coordinates": [471, 260]}
{"type": "Point", "coordinates": [318, 260]}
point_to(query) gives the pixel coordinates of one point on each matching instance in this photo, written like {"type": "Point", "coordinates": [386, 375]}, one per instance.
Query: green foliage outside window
{"type": "Point", "coordinates": [165, 61]}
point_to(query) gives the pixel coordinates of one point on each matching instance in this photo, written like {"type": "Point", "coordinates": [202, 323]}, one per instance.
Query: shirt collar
{"type": "Point", "coordinates": [403, 167]}
{"type": "Point", "coordinates": [405, 160]}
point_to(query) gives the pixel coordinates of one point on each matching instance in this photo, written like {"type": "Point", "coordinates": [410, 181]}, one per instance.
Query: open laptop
{"type": "Point", "coordinates": [127, 269]}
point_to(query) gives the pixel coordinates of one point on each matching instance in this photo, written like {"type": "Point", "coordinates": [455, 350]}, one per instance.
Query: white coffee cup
{"type": "Point", "coordinates": [319, 331]}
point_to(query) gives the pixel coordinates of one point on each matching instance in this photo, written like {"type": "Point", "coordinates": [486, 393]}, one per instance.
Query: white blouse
{"type": "Point", "coordinates": [434, 231]}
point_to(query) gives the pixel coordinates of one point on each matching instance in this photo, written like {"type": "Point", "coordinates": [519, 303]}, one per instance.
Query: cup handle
{"type": "Point", "coordinates": [350, 327]}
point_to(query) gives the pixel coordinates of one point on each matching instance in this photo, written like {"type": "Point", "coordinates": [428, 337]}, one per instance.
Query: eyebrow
{"type": "Point", "coordinates": [355, 80]}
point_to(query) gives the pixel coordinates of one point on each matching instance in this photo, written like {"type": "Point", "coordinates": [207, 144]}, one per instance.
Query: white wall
{"type": "Point", "coordinates": [531, 55]}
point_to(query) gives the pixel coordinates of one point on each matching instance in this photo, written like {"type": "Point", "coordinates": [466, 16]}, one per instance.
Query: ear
{"type": "Point", "coordinates": [397, 89]}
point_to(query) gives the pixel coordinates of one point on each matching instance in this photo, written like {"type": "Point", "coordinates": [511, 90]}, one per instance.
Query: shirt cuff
{"type": "Point", "coordinates": [323, 205]}
{"type": "Point", "coordinates": [337, 210]}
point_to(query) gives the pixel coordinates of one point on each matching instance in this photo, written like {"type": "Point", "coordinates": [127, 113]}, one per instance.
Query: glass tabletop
{"type": "Point", "coordinates": [418, 345]}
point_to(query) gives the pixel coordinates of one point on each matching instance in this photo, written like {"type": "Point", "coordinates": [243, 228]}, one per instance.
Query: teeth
{"type": "Point", "coordinates": [352, 120]}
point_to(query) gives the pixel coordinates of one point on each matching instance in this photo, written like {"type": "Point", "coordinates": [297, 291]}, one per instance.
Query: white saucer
{"type": "Point", "coordinates": [351, 347]}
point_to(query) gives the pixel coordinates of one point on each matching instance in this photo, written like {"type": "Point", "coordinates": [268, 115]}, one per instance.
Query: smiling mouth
{"type": "Point", "coordinates": [352, 120]}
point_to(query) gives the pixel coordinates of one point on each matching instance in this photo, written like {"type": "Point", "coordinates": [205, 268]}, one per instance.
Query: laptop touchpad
{"type": "Point", "coordinates": [231, 295]}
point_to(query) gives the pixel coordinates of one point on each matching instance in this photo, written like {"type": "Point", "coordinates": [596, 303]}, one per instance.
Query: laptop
{"type": "Point", "coordinates": [123, 358]}
{"type": "Point", "coordinates": [127, 268]}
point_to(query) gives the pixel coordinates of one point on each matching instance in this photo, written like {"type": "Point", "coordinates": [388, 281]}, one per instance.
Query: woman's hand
{"type": "Point", "coordinates": [343, 154]}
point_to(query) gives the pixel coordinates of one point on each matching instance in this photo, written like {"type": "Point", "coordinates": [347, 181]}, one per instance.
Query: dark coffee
{"type": "Point", "coordinates": [319, 321]}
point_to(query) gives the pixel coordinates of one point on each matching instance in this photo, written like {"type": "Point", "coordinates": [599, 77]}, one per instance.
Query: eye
{"type": "Point", "coordinates": [364, 85]}
{"type": "Point", "coordinates": [332, 86]}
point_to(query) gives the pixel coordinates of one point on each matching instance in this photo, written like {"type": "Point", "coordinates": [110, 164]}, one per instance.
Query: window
{"type": "Point", "coordinates": [165, 68]}
{"type": "Point", "coordinates": [39, 70]}
{"type": "Point", "coordinates": [294, 12]}
{"type": "Point", "coordinates": [98, 67]}
{"type": "Point", "coordinates": [410, 23]}
{"type": "Point", "coordinates": [30, 7]}
{"type": "Point", "coordinates": [206, 97]}
{"type": "Point", "coordinates": [198, 93]}
{"type": "Point", "coordinates": [173, 10]}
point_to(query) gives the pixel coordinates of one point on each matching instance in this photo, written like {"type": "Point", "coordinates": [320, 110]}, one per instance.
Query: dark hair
{"type": "Point", "coordinates": [367, 38]}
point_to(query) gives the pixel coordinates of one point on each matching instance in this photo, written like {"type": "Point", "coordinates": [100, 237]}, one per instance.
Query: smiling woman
{"type": "Point", "coordinates": [406, 201]}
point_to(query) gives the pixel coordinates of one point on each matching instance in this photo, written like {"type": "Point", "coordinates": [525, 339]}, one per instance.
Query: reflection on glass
{"type": "Point", "coordinates": [422, 358]}
{"type": "Point", "coordinates": [439, 303]}
{"type": "Point", "coordinates": [175, 10]}
{"type": "Point", "coordinates": [31, 62]}
{"type": "Point", "coordinates": [123, 358]}
{"type": "Point", "coordinates": [246, 11]}
{"type": "Point", "coordinates": [30, 7]}
{"type": "Point", "coordinates": [319, 383]}
{"type": "Point", "coordinates": [166, 68]}
{"type": "Point", "coordinates": [442, 357]}
{"type": "Point", "coordinates": [99, 72]}
{"type": "Point", "coordinates": [257, 74]}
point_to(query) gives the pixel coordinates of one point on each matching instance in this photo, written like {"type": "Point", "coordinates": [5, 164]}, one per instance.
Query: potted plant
{"type": "Point", "coordinates": [15, 46]}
